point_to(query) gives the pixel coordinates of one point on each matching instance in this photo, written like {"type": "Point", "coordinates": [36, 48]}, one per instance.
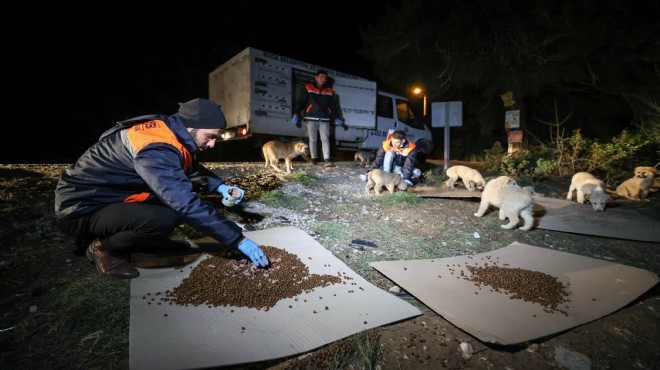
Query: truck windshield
{"type": "Point", "coordinates": [407, 114]}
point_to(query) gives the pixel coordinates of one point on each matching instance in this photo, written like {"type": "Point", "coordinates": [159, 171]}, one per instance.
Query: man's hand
{"type": "Point", "coordinates": [252, 250]}
{"type": "Point", "coordinates": [294, 119]}
{"type": "Point", "coordinates": [231, 191]}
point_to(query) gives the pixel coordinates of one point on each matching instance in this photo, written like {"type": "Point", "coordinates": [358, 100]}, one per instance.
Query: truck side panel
{"type": "Point", "coordinates": [357, 100]}
{"type": "Point", "coordinates": [272, 98]}
{"type": "Point", "coordinates": [229, 86]}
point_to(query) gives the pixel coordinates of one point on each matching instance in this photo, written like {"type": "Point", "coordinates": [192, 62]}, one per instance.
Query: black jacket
{"type": "Point", "coordinates": [317, 104]}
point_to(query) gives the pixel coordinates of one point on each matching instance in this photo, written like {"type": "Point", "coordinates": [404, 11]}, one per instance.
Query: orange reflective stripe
{"type": "Point", "coordinates": [156, 131]}
{"type": "Point", "coordinates": [137, 198]}
{"type": "Point", "coordinates": [404, 151]}
{"type": "Point", "coordinates": [316, 90]}
{"type": "Point", "coordinates": [312, 88]}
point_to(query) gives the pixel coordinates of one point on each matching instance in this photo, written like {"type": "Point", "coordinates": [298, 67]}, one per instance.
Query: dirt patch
{"type": "Point", "coordinates": [357, 228]}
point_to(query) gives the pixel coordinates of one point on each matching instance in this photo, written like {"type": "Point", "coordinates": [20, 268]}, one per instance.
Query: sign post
{"type": "Point", "coordinates": [447, 114]}
{"type": "Point", "coordinates": [512, 123]}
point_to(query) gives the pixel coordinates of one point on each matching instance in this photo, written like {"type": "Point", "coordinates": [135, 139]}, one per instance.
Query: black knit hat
{"type": "Point", "coordinates": [202, 113]}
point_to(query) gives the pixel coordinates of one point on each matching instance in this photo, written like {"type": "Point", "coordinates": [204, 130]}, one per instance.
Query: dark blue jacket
{"type": "Point", "coordinates": [404, 157]}
{"type": "Point", "coordinates": [144, 159]}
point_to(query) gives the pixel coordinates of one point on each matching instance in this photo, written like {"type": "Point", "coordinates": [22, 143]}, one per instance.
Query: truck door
{"type": "Point", "coordinates": [357, 101]}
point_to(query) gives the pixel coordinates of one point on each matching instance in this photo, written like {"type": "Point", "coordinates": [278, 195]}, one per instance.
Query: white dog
{"type": "Point", "coordinates": [587, 184]}
{"type": "Point", "coordinates": [472, 179]}
{"type": "Point", "coordinates": [512, 200]}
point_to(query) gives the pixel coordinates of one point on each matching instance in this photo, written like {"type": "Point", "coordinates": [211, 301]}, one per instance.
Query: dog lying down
{"type": "Point", "coordinates": [586, 184]}
{"type": "Point", "coordinates": [635, 188]}
{"type": "Point", "coordinates": [471, 178]}
{"type": "Point", "coordinates": [513, 201]}
{"type": "Point", "coordinates": [379, 178]}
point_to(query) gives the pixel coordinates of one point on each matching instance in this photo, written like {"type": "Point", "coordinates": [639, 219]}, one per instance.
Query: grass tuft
{"type": "Point", "coordinates": [399, 198]}
{"type": "Point", "coordinates": [333, 232]}
{"type": "Point", "coordinates": [303, 178]}
{"type": "Point", "coordinates": [275, 198]}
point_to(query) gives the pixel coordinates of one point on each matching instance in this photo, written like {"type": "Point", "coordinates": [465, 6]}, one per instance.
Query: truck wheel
{"type": "Point", "coordinates": [423, 150]}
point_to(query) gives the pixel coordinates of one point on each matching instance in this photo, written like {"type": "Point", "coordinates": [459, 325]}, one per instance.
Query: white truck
{"type": "Point", "coordinates": [257, 91]}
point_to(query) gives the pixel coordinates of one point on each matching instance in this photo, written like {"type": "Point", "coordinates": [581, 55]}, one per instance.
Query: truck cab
{"type": "Point", "coordinates": [395, 113]}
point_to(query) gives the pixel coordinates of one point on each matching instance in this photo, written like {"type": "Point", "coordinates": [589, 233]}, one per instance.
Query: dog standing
{"type": "Point", "coordinates": [471, 178]}
{"type": "Point", "coordinates": [274, 150]}
{"type": "Point", "coordinates": [587, 184]}
{"type": "Point", "coordinates": [364, 158]}
{"type": "Point", "coordinates": [379, 178]}
{"type": "Point", "coordinates": [512, 200]}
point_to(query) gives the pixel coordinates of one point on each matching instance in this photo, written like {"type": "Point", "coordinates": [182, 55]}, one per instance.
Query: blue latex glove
{"type": "Point", "coordinates": [410, 183]}
{"type": "Point", "coordinates": [339, 121]}
{"type": "Point", "coordinates": [252, 250]}
{"type": "Point", "coordinates": [294, 119]}
{"type": "Point", "coordinates": [224, 190]}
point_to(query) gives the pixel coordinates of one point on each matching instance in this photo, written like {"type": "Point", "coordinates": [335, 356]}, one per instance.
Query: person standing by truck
{"type": "Point", "coordinates": [318, 106]}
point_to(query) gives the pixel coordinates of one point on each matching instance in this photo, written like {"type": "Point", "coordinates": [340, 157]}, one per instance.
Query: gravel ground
{"type": "Point", "coordinates": [337, 211]}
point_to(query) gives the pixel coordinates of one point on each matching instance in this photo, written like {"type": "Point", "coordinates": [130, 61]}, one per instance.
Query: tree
{"type": "Point", "coordinates": [591, 56]}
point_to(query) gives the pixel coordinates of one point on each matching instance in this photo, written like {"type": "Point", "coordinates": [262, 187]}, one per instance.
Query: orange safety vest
{"type": "Point", "coordinates": [311, 88]}
{"type": "Point", "coordinates": [155, 131]}
{"type": "Point", "coordinates": [403, 150]}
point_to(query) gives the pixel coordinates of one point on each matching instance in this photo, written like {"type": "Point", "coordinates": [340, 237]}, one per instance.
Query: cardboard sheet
{"type": "Point", "coordinates": [444, 192]}
{"type": "Point", "coordinates": [175, 337]}
{"type": "Point", "coordinates": [573, 217]}
{"type": "Point", "coordinates": [596, 288]}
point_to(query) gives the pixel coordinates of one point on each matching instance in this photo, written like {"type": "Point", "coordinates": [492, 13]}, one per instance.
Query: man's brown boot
{"type": "Point", "coordinates": [109, 265]}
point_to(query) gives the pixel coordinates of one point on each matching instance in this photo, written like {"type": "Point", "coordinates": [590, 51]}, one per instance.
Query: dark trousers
{"type": "Point", "coordinates": [122, 226]}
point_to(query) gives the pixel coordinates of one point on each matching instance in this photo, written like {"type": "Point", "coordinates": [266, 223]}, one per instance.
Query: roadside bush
{"type": "Point", "coordinates": [537, 162]}
{"type": "Point", "coordinates": [616, 158]}
{"type": "Point", "coordinates": [493, 157]}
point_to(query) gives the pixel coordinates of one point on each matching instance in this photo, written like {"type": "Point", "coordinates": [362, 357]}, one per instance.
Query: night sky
{"type": "Point", "coordinates": [71, 73]}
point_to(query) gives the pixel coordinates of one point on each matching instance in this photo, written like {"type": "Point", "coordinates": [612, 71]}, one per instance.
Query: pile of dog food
{"type": "Point", "coordinates": [530, 286]}
{"type": "Point", "coordinates": [219, 281]}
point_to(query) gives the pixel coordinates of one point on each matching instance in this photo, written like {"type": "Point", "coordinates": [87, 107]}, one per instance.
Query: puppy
{"type": "Point", "coordinates": [364, 158]}
{"type": "Point", "coordinates": [635, 188]}
{"type": "Point", "coordinates": [645, 171]}
{"type": "Point", "coordinates": [472, 179]}
{"type": "Point", "coordinates": [512, 200]}
{"type": "Point", "coordinates": [587, 184]}
{"type": "Point", "coordinates": [274, 150]}
{"type": "Point", "coordinates": [379, 178]}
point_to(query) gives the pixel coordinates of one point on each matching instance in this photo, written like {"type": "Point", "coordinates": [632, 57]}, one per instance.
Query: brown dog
{"type": "Point", "coordinates": [274, 150]}
{"type": "Point", "coordinates": [380, 178]}
{"type": "Point", "coordinates": [635, 188]}
{"type": "Point", "coordinates": [363, 157]}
